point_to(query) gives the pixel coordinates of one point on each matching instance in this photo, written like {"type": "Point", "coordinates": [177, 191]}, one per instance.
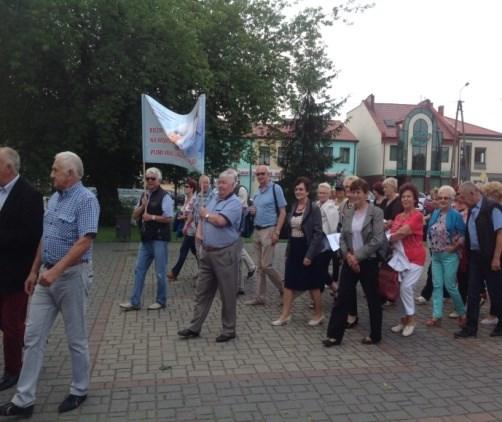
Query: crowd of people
{"type": "Point", "coordinates": [46, 254]}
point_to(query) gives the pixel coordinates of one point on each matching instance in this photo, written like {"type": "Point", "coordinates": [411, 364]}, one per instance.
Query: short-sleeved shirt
{"type": "Point", "coordinates": [217, 236]}
{"type": "Point", "coordinates": [167, 205]}
{"type": "Point", "coordinates": [413, 244]}
{"type": "Point", "coordinates": [70, 215]}
{"type": "Point", "coordinates": [266, 213]}
{"type": "Point", "coordinates": [471, 224]}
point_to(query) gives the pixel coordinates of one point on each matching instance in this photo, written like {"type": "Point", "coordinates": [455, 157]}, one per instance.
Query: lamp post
{"type": "Point", "coordinates": [459, 156]}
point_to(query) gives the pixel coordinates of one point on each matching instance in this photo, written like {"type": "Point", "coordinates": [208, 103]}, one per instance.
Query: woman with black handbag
{"type": "Point", "coordinates": [362, 235]}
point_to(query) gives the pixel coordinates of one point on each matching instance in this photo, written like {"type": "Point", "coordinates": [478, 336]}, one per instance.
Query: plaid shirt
{"type": "Point", "coordinates": [70, 215]}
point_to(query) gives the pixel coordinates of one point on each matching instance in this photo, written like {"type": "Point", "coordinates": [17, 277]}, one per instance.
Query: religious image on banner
{"type": "Point", "coordinates": [172, 138]}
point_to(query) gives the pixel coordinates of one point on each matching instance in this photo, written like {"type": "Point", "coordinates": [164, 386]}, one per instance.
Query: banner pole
{"type": "Point", "coordinates": [143, 141]}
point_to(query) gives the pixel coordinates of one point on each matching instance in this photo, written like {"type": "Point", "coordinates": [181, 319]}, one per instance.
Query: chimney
{"type": "Point", "coordinates": [441, 110]}
{"type": "Point", "coordinates": [370, 101]}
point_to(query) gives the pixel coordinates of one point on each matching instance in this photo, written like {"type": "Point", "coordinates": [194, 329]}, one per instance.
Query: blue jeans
{"type": "Point", "coordinates": [444, 275]}
{"type": "Point", "coordinates": [149, 251]}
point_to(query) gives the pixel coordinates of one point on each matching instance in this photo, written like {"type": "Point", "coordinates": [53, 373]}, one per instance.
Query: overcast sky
{"type": "Point", "coordinates": [405, 51]}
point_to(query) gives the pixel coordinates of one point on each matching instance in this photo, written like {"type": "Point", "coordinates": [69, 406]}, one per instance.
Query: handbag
{"type": "Point", "coordinates": [388, 283]}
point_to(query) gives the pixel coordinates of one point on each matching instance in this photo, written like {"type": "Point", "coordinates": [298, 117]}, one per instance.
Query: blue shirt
{"type": "Point", "coordinates": [471, 224]}
{"type": "Point", "coordinates": [167, 205]}
{"type": "Point", "coordinates": [263, 200]}
{"type": "Point", "coordinates": [231, 209]}
{"type": "Point", "coordinates": [5, 190]}
{"type": "Point", "coordinates": [70, 215]}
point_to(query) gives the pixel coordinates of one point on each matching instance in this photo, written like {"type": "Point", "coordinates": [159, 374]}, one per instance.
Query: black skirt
{"type": "Point", "coordinates": [300, 277]}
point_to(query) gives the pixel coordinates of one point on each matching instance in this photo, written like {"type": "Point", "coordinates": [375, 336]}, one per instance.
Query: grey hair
{"type": "Point", "coordinates": [234, 172]}
{"type": "Point", "coordinates": [324, 185]}
{"type": "Point", "coordinates": [390, 181]}
{"type": "Point", "coordinates": [71, 161]}
{"type": "Point", "coordinates": [229, 173]}
{"type": "Point", "coordinates": [469, 187]}
{"type": "Point", "coordinates": [350, 179]}
{"type": "Point", "coordinates": [12, 158]}
{"type": "Point", "coordinates": [154, 170]}
{"type": "Point", "coordinates": [449, 191]}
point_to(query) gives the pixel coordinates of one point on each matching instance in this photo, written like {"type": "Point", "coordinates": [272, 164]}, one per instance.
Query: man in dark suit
{"type": "Point", "coordinates": [21, 214]}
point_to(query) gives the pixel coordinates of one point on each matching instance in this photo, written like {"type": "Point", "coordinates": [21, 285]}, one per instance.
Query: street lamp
{"type": "Point", "coordinates": [463, 169]}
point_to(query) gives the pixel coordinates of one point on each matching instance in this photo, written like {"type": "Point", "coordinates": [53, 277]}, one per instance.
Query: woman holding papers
{"type": "Point", "coordinates": [362, 235]}
{"type": "Point", "coordinates": [408, 257]}
{"type": "Point", "coordinates": [307, 254]}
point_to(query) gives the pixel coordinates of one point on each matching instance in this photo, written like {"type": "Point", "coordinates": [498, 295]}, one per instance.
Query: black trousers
{"type": "Point", "coordinates": [479, 272]}
{"type": "Point", "coordinates": [345, 299]}
{"type": "Point", "coordinates": [187, 245]}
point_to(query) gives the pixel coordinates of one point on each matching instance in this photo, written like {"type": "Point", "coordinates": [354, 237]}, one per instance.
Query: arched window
{"type": "Point", "coordinates": [419, 143]}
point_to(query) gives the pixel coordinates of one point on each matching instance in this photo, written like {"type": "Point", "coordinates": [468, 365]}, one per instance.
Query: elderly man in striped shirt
{"type": "Point", "coordinates": [59, 282]}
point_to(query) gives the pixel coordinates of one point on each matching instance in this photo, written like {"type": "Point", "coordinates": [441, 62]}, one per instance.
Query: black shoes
{"type": "Point", "coordinates": [329, 342]}
{"type": "Point", "coordinates": [251, 273]}
{"type": "Point", "coordinates": [71, 402]}
{"type": "Point", "coordinates": [187, 333]}
{"type": "Point", "coordinates": [368, 340]}
{"type": "Point", "coordinates": [10, 409]}
{"type": "Point", "coordinates": [7, 381]}
{"type": "Point", "coordinates": [222, 338]}
{"type": "Point", "coordinates": [497, 332]}
{"type": "Point", "coordinates": [464, 333]}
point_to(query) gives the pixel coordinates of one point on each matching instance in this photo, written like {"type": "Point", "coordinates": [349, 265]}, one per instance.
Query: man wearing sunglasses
{"type": "Point", "coordinates": [269, 209]}
{"type": "Point", "coordinates": [153, 213]}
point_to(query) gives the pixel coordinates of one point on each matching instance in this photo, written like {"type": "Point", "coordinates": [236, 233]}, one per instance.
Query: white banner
{"type": "Point", "coordinates": [172, 138]}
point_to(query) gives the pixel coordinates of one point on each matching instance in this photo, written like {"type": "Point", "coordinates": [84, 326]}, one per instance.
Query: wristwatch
{"type": "Point", "coordinates": [207, 216]}
{"type": "Point", "coordinates": [153, 218]}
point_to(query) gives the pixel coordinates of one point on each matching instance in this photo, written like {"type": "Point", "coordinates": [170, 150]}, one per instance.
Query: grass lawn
{"type": "Point", "coordinates": [108, 234]}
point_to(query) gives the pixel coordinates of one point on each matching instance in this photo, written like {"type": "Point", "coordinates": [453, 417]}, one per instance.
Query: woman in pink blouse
{"type": "Point", "coordinates": [409, 255]}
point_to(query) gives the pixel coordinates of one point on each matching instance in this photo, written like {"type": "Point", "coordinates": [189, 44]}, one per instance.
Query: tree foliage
{"type": "Point", "coordinates": [72, 72]}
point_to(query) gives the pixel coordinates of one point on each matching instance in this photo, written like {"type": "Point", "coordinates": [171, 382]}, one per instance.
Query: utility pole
{"type": "Point", "coordinates": [460, 166]}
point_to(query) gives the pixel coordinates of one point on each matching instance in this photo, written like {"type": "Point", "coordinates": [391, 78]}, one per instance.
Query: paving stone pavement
{"type": "Point", "coordinates": [142, 371]}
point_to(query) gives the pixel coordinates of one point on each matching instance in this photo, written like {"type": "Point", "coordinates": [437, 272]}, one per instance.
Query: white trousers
{"type": "Point", "coordinates": [408, 280]}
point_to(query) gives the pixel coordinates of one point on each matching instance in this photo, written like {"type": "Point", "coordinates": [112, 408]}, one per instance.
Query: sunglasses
{"type": "Point", "coordinates": [261, 174]}
{"type": "Point", "coordinates": [148, 179]}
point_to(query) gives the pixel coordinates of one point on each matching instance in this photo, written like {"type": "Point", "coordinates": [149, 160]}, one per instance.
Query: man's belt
{"type": "Point", "coordinates": [82, 261]}
{"type": "Point", "coordinates": [264, 227]}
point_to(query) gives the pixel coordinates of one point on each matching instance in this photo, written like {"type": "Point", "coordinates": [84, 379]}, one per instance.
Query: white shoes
{"type": "Point", "coordinates": [279, 322]}
{"type": "Point", "coordinates": [489, 321]}
{"type": "Point", "coordinates": [397, 328]}
{"type": "Point", "coordinates": [155, 306]}
{"type": "Point", "coordinates": [408, 330]}
{"type": "Point", "coordinates": [316, 322]}
{"type": "Point", "coordinates": [420, 300]}
{"type": "Point", "coordinates": [453, 315]}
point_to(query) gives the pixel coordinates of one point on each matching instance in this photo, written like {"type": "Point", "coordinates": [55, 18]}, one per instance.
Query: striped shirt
{"type": "Point", "coordinates": [70, 215]}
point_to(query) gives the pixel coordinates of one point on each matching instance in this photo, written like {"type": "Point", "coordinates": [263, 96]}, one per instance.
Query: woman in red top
{"type": "Point", "coordinates": [407, 228]}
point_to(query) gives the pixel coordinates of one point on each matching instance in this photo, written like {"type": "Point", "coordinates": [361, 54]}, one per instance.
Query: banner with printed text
{"type": "Point", "coordinates": [171, 138]}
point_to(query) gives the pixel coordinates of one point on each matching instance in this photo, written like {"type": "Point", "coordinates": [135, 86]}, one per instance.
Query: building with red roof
{"type": "Point", "coordinates": [266, 141]}
{"type": "Point", "coordinates": [417, 143]}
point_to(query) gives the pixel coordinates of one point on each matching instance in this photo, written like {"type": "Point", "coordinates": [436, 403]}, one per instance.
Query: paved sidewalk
{"type": "Point", "coordinates": [143, 371]}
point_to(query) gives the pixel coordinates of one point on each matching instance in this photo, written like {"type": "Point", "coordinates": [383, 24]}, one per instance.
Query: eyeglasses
{"type": "Point", "coordinates": [148, 179]}
{"type": "Point", "coordinates": [444, 198]}
{"type": "Point", "coordinates": [261, 174]}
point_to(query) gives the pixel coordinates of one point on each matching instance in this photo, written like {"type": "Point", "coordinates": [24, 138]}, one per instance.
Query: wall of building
{"type": "Point", "coordinates": [369, 147]}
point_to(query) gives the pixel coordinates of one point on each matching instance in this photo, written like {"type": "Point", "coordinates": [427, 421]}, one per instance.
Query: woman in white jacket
{"type": "Point", "coordinates": [330, 216]}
